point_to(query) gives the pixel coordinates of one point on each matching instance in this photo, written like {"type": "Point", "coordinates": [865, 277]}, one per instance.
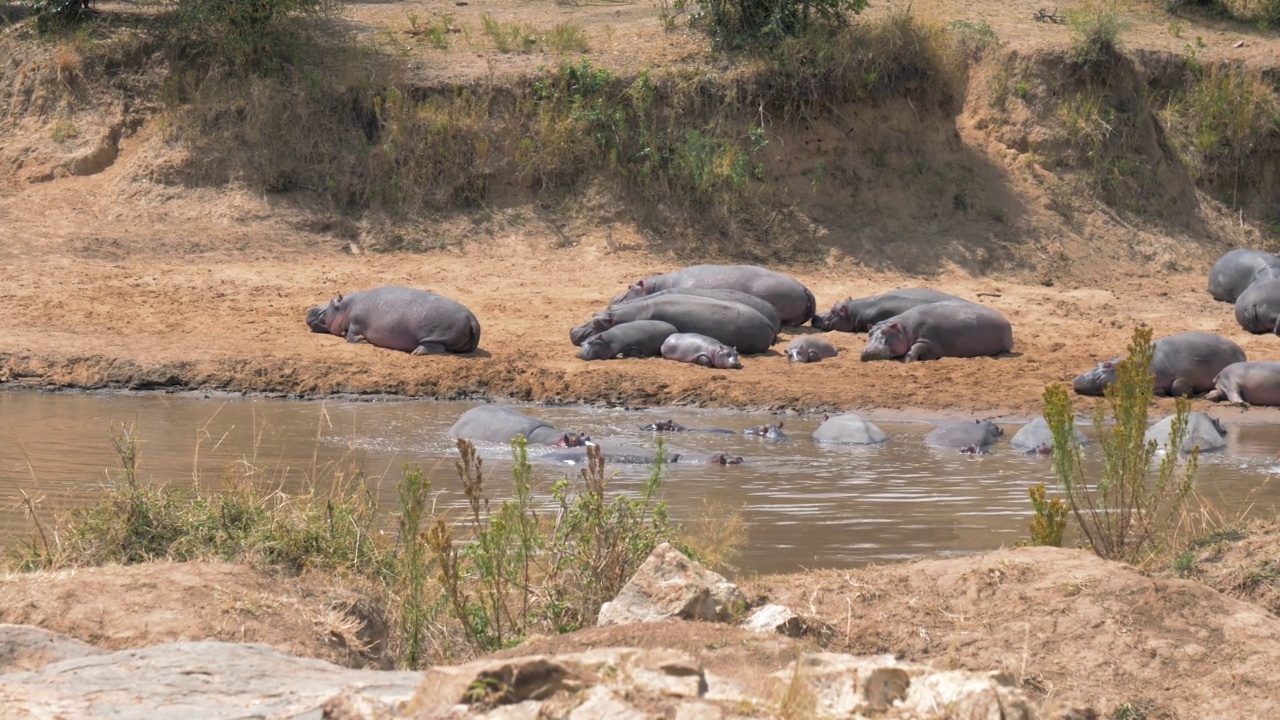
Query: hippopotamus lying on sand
{"type": "Point", "coordinates": [761, 306]}
{"type": "Point", "coordinates": [700, 350]}
{"type": "Point", "coordinates": [623, 455]}
{"type": "Point", "coordinates": [849, 429]}
{"type": "Point", "coordinates": [938, 330]}
{"type": "Point", "coordinates": [794, 302]}
{"type": "Point", "coordinates": [809, 349]}
{"type": "Point", "coordinates": [1255, 383]}
{"type": "Point", "coordinates": [1036, 438]}
{"type": "Point", "coordinates": [496, 423]}
{"type": "Point", "coordinates": [732, 323]}
{"type": "Point", "coordinates": [673, 426]}
{"type": "Point", "coordinates": [1183, 364]}
{"type": "Point", "coordinates": [1238, 269]}
{"type": "Point", "coordinates": [860, 314]}
{"type": "Point", "coordinates": [963, 433]}
{"type": "Point", "coordinates": [642, 338]}
{"type": "Point", "coordinates": [1258, 307]}
{"type": "Point", "coordinates": [399, 318]}
{"type": "Point", "coordinates": [1203, 432]}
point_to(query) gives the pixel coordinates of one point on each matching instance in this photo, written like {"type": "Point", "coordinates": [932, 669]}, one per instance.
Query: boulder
{"type": "Point", "coordinates": [670, 585]}
{"type": "Point", "coordinates": [24, 647]}
{"type": "Point", "coordinates": [781, 620]}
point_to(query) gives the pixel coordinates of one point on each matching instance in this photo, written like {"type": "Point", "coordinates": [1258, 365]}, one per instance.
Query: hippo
{"type": "Point", "coordinates": [624, 455]}
{"type": "Point", "coordinates": [1258, 307]}
{"type": "Point", "coordinates": [858, 315]}
{"type": "Point", "coordinates": [772, 431]}
{"type": "Point", "coordinates": [849, 429]}
{"type": "Point", "coordinates": [1255, 383]}
{"type": "Point", "coordinates": [497, 423]}
{"type": "Point", "coordinates": [937, 330]}
{"type": "Point", "coordinates": [1035, 438]}
{"type": "Point", "coordinates": [399, 318]}
{"type": "Point", "coordinates": [1238, 269]}
{"type": "Point", "coordinates": [642, 338]}
{"type": "Point", "coordinates": [700, 350]}
{"type": "Point", "coordinates": [962, 433]}
{"type": "Point", "coordinates": [1203, 432]}
{"type": "Point", "coordinates": [763, 307]}
{"type": "Point", "coordinates": [673, 426]}
{"type": "Point", "coordinates": [1183, 364]}
{"type": "Point", "coordinates": [794, 302]}
{"type": "Point", "coordinates": [810, 349]}
{"type": "Point", "coordinates": [733, 324]}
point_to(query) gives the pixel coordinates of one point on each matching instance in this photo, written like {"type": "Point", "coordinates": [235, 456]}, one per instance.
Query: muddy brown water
{"type": "Point", "coordinates": [805, 505]}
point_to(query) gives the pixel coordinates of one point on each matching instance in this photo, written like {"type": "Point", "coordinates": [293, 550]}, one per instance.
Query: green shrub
{"type": "Point", "coordinates": [1050, 517]}
{"type": "Point", "coordinates": [737, 23]}
{"type": "Point", "coordinates": [1095, 32]}
{"type": "Point", "coordinates": [248, 34]}
{"type": "Point", "coordinates": [1128, 513]}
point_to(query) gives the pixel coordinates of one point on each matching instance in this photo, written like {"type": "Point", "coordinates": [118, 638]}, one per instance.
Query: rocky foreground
{"type": "Point", "coordinates": [1028, 633]}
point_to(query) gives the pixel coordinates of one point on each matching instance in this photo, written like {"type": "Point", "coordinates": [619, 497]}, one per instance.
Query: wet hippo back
{"type": "Point", "coordinates": [1036, 436]}
{"type": "Point", "coordinates": [963, 433]}
{"type": "Point", "coordinates": [497, 423]}
{"type": "Point", "coordinates": [1258, 307]}
{"type": "Point", "coordinates": [1203, 432]}
{"type": "Point", "coordinates": [849, 429]}
{"type": "Point", "coordinates": [1237, 269]}
{"type": "Point", "coordinates": [399, 318]}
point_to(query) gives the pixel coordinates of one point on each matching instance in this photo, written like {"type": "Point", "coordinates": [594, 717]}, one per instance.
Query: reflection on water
{"type": "Point", "coordinates": [805, 505]}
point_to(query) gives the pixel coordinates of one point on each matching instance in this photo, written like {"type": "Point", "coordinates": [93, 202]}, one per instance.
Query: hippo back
{"type": "Point", "coordinates": [859, 314]}
{"type": "Point", "coordinates": [961, 433]}
{"type": "Point", "coordinates": [1237, 269]}
{"type": "Point", "coordinates": [1258, 307]}
{"type": "Point", "coordinates": [496, 423]}
{"type": "Point", "coordinates": [403, 318]}
{"type": "Point", "coordinates": [733, 324]}
{"type": "Point", "coordinates": [1194, 357]}
{"type": "Point", "coordinates": [761, 306]}
{"type": "Point", "coordinates": [1203, 432]}
{"type": "Point", "coordinates": [794, 302]}
{"type": "Point", "coordinates": [849, 429]}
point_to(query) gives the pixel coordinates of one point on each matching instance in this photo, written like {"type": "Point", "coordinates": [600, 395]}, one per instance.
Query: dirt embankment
{"type": "Point", "coordinates": [127, 268]}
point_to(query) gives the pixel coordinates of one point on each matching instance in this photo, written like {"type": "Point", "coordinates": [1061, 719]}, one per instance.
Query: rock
{"type": "Point", "coordinates": [670, 585]}
{"type": "Point", "coordinates": [1202, 431]}
{"type": "Point", "coordinates": [779, 619]}
{"type": "Point", "coordinates": [196, 680]}
{"type": "Point", "coordinates": [849, 429]}
{"type": "Point", "coordinates": [23, 647]}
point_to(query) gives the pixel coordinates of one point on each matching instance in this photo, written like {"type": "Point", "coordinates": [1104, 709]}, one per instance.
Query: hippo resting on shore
{"type": "Point", "coordinates": [399, 318]}
{"type": "Point", "coordinates": [761, 306]}
{"type": "Point", "coordinates": [642, 338]}
{"type": "Point", "coordinates": [673, 426]}
{"type": "Point", "coordinates": [938, 330]}
{"type": "Point", "coordinates": [1183, 364]}
{"type": "Point", "coordinates": [859, 314]}
{"type": "Point", "coordinates": [1255, 383]}
{"type": "Point", "coordinates": [624, 455]}
{"type": "Point", "coordinates": [1238, 269]}
{"type": "Point", "coordinates": [1036, 438]}
{"type": "Point", "coordinates": [497, 423]}
{"type": "Point", "coordinates": [1203, 432]}
{"type": "Point", "coordinates": [733, 324]}
{"type": "Point", "coordinates": [700, 350]}
{"type": "Point", "coordinates": [849, 429]}
{"type": "Point", "coordinates": [964, 434]}
{"type": "Point", "coordinates": [794, 302]}
{"type": "Point", "coordinates": [1258, 307]}
{"type": "Point", "coordinates": [810, 349]}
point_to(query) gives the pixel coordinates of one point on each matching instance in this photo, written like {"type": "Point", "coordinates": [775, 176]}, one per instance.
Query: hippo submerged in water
{"type": "Point", "coordinates": [399, 318]}
{"type": "Point", "coordinates": [1203, 432]}
{"type": "Point", "coordinates": [1183, 364]}
{"type": "Point", "coordinates": [793, 301]}
{"type": "Point", "coordinates": [496, 423]}
{"type": "Point", "coordinates": [772, 431]}
{"type": "Point", "coordinates": [849, 429]}
{"type": "Point", "coordinates": [860, 314]}
{"type": "Point", "coordinates": [673, 426]}
{"type": "Point", "coordinates": [624, 455]}
{"type": "Point", "coordinates": [964, 434]}
{"type": "Point", "coordinates": [1035, 438]}
{"type": "Point", "coordinates": [938, 330]}
{"type": "Point", "coordinates": [1238, 269]}
{"type": "Point", "coordinates": [732, 323]}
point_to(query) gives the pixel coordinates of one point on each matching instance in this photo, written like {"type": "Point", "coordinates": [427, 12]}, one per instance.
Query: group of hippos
{"type": "Point", "coordinates": [712, 314]}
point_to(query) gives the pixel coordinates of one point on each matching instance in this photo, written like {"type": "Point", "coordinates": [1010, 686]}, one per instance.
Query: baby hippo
{"type": "Point", "coordinates": [810, 349]}
{"type": "Point", "coordinates": [701, 350]}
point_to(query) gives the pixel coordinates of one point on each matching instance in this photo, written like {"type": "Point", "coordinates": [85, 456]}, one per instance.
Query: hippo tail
{"type": "Point", "coordinates": [474, 341]}
{"type": "Point", "coordinates": [810, 306]}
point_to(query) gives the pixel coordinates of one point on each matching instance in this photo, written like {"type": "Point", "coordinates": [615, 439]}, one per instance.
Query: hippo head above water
{"type": "Point", "coordinates": [886, 341]}
{"type": "Point", "coordinates": [572, 440]}
{"type": "Point", "coordinates": [663, 426]}
{"type": "Point", "coordinates": [724, 459]}
{"type": "Point", "coordinates": [322, 317]}
{"type": "Point", "coordinates": [1097, 380]}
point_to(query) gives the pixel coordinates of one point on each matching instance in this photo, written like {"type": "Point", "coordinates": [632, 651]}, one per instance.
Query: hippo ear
{"type": "Point", "coordinates": [842, 310]}
{"type": "Point", "coordinates": [894, 327]}
{"type": "Point", "coordinates": [1107, 365]}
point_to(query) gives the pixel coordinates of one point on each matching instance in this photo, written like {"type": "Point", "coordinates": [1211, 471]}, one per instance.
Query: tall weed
{"type": "Point", "coordinates": [1095, 32]}
{"type": "Point", "coordinates": [1128, 513]}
